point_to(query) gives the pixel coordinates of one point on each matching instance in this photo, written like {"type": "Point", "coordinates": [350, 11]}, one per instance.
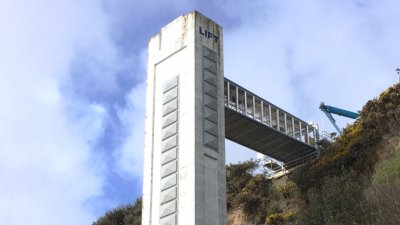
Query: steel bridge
{"type": "Point", "coordinates": [264, 127]}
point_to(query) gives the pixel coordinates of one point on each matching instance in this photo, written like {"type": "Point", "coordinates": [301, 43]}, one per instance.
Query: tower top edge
{"type": "Point", "coordinates": [194, 14]}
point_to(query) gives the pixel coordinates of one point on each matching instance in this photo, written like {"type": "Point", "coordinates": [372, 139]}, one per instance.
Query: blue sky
{"type": "Point", "coordinates": [72, 86]}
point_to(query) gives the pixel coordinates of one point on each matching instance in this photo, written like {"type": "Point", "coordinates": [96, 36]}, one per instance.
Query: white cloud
{"type": "Point", "coordinates": [301, 53]}
{"type": "Point", "coordinates": [48, 170]}
{"type": "Point", "coordinates": [297, 54]}
{"type": "Point", "coordinates": [129, 157]}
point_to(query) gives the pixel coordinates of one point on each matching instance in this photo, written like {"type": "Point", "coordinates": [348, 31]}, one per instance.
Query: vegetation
{"type": "Point", "coordinates": [348, 184]}
{"type": "Point", "coordinates": [383, 195]}
{"type": "Point", "coordinates": [123, 215]}
{"type": "Point", "coordinates": [355, 181]}
{"type": "Point", "coordinates": [247, 191]}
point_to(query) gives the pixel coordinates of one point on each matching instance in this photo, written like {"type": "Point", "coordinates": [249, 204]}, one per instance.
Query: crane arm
{"type": "Point", "coordinates": [329, 110]}
{"type": "Point", "coordinates": [330, 117]}
{"type": "Point", "coordinates": [341, 112]}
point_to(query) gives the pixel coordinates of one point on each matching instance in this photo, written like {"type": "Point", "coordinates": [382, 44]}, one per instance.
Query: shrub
{"type": "Point", "coordinates": [383, 200]}
{"type": "Point", "coordinates": [279, 218]}
{"type": "Point", "coordinates": [339, 201]}
{"type": "Point", "coordinates": [123, 215]}
{"type": "Point", "coordinates": [383, 196]}
{"type": "Point", "coordinates": [237, 177]}
{"type": "Point", "coordinates": [388, 170]}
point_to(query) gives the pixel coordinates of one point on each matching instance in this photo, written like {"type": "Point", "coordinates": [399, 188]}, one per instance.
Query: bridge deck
{"type": "Point", "coordinates": [259, 125]}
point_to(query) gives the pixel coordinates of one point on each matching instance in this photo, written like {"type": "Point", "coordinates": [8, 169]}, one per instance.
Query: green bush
{"type": "Point", "coordinates": [383, 200]}
{"type": "Point", "coordinates": [339, 201]}
{"type": "Point", "coordinates": [356, 148]}
{"type": "Point", "coordinates": [123, 215]}
{"type": "Point", "coordinates": [383, 195]}
{"type": "Point", "coordinates": [237, 177]}
{"type": "Point", "coordinates": [247, 191]}
{"type": "Point", "coordinates": [388, 170]}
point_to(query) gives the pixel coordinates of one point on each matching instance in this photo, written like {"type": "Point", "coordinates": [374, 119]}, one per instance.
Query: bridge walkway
{"type": "Point", "coordinates": [264, 127]}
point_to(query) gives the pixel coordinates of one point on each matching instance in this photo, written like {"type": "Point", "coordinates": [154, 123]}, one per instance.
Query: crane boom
{"type": "Point", "coordinates": [329, 110]}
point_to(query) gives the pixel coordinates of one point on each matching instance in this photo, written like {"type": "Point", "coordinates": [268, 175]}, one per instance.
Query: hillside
{"type": "Point", "coordinates": [355, 181]}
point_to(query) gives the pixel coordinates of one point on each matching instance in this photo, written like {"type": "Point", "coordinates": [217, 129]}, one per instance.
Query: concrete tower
{"type": "Point", "coordinates": [184, 170]}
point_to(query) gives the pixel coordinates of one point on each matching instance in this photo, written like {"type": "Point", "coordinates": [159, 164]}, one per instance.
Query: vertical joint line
{"type": "Point", "coordinates": [270, 115]}
{"type": "Point", "coordinates": [228, 93]}
{"type": "Point", "coordinates": [277, 120]}
{"type": "Point", "coordinates": [245, 103]}
{"type": "Point", "coordinates": [285, 123]}
{"type": "Point", "coordinates": [315, 137]}
{"type": "Point", "coordinates": [300, 132]}
{"type": "Point", "coordinates": [254, 107]}
{"type": "Point", "coordinates": [262, 111]}
{"type": "Point", "coordinates": [237, 97]}
{"type": "Point", "coordinates": [293, 134]}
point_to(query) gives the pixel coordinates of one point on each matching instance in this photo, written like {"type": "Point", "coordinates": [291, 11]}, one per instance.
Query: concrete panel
{"type": "Point", "coordinates": [168, 195]}
{"type": "Point", "coordinates": [171, 94]}
{"type": "Point", "coordinates": [210, 127]}
{"type": "Point", "coordinates": [210, 78]}
{"type": "Point", "coordinates": [168, 168]}
{"type": "Point", "coordinates": [169, 119]}
{"type": "Point", "coordinates": [210, 90]}
{"type": "Point", "coordinates": [169, 131]}
{"type": "Point", "coordinates": [211, 141]}
{"type": "Point", "coordinates": [209, 65]}
{"type": "Point", "coordinates": [210, 54]}
{"type": "Point", "coordinates": [210, 102]}
{"type": "Point", "coordinates": [168, 156]}
{"type": "Point", "coordinates": [168, 182]}
{"type": "Point", "coordinates": [169, 143]}
{"type": "Point", "coordinates": [211, 114]}
{"type": "Point", "coordinates": [167, 208]}
{"type": "Point", "coordinates": [170, 84]}
{"type": "Point", "coordinates": [170, 106]}
{"type": "Point", "coordinates": [168, 220]}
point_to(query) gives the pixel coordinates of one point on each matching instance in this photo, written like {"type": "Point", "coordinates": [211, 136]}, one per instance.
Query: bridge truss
{"type": "Point", "coordinates": [264, 127]}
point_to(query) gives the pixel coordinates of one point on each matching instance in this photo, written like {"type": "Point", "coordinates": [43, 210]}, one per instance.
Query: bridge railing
{"type": "Point", "coordinates": [253, 106]}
